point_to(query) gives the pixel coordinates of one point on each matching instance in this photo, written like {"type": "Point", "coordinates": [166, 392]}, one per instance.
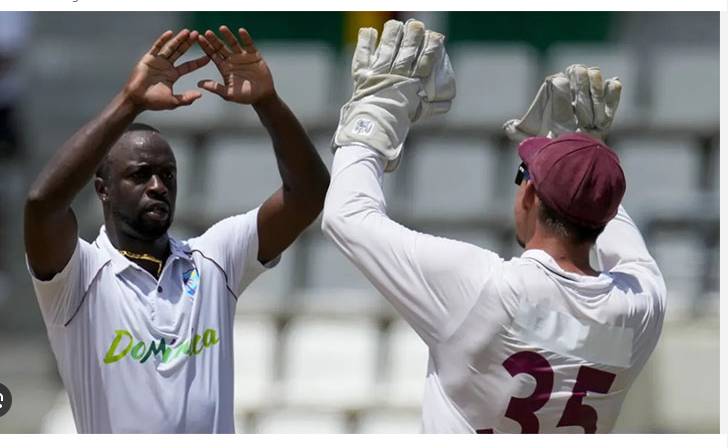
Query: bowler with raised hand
{"type": "Point", "coordinates": [141, 323]}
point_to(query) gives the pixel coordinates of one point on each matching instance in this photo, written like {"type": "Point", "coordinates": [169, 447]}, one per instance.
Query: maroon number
{"type": "Point", "coordinates": [575, 412]}
{"type": "Point", "coordinates": [523, 410]}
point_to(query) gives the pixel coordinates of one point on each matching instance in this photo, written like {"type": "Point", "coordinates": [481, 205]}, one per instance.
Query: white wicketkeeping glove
{"type": "Point", "coordinates": [576, 101]}
{"type": "Point", "coordinates": [408, 77]}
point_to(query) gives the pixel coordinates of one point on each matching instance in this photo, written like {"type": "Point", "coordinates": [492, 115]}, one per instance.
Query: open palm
{"type": "Point", "coordinates": [246, 77]}
{"type": "Point", "coordinates": [150, 85]}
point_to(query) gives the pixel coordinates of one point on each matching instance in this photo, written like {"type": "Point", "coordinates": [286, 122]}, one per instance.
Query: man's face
{"type": "Point", "coordinates": [141, 186]}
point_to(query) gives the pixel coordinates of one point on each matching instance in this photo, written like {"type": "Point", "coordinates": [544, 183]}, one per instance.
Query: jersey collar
{"type": "Point", "coordinates": [178, 250]}
{"type": "Point", "coordinates": [547, 262]}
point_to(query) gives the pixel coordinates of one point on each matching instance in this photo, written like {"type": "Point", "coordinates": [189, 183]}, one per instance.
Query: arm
{"type": "Point", "coordinates": [289, 210]}
{"type": "Point", "coordinates": [580, 100]}
{"type": "Point", "coordinates": [50, 225]}
{"type": "Point", "coordinates": [294, 206]}
{"type": "Point", "coordinates": [620, 248]}
{"type": "Point", "coordinates": [432, 282]}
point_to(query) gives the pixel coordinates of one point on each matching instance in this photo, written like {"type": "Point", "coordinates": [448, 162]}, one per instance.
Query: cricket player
{"type": "Point", "coordinates": [141, 323]}
{"type": "Point", "coordinates": [540, 343]}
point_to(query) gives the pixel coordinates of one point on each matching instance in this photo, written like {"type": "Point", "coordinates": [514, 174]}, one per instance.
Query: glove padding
{"type": "Point", "coordinates": [406, 78]}
{"type": "Point", "coordinates": [576, 101]}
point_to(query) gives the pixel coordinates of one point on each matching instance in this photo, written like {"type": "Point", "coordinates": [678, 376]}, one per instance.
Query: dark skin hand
{"type": "Point", "coordinates": [247, 80]}
{"type": "Point", "coordinates": [50, 225]}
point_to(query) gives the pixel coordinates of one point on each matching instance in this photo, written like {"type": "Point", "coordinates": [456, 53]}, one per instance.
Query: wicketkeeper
{"type": "Point", "coordinates": [544, 342]}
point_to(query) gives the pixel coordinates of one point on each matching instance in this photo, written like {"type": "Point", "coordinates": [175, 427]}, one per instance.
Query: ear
{"type": "Point", "coordinates": [529, 198]}
{"type": "Point", "coordinates": [102, 191]}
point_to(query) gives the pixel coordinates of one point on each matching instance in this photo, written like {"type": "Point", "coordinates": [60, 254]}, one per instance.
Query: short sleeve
{"type": "Point", "coordinates": [60, 297]}
{"type": "Point", "coordinates": [233, 244]}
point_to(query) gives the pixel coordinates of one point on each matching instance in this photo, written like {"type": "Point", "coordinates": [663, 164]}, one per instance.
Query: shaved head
{"type": "Point", "coordinates": [137, 183]}
{"type": "Point", "coordinates": [105, 166]}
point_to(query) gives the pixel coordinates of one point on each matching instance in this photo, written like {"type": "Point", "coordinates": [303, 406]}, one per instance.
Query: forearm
{"type": "Point", "coordinates": [75, 162]}
{"type": "Point", "coordinates": [303, 173]}
{"type": "Point", "coordinates": [355, 203]}
{"type": "Point", "coordinates": [621, 243]}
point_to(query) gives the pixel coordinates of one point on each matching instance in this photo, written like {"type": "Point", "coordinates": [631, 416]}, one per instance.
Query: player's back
{"type": "Point", "coordinates": [545, 350]}
{"type": "Point", "coordinates": [516, 345]}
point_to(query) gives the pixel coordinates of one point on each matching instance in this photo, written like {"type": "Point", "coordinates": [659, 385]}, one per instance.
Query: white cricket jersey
{"type": "Point", "coordinates": [146, 356]}
{"type": "Point", "coordinates": [515, 346]}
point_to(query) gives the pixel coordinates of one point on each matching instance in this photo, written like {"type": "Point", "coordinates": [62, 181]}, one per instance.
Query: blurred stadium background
{"type": "Point", "coordinates": [317, 350]}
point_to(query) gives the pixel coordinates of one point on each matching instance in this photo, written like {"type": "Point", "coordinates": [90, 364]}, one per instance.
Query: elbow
{"type": "Point", "coordinates": [35, 199]}
{"type": "Point", "coordinates": [40, 203]}
{"type": "Point", "coordinates": [349, 220]}
{"type": "Point", "coordinates": [337, 223]}
{"type": "Point", "coordinates": [308, 198]}
{"type": "Point", "coordinates": [345, 226]}
{"type": "Point", "coordinates": [321, 187]}
{"type": "Point", "coordinates": [318, 194]}
{"type": "Point", "coordinates": [330, 221]}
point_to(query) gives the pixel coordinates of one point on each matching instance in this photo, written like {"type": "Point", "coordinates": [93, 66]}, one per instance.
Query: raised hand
{"type": "Point", "coordinates": [246, 77]}
{"type": "Point", "coordinates": [578, 100]}
{"type": "Point", "coordinates": [595, 101]}
{"type": "Point", "coordinates": [405, 78]}
{"type": "Point", "coordinates": [150, 86]}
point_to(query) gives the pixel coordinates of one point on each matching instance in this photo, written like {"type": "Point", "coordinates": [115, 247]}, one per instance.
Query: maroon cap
{"type": "Point", "coordinates": [576, 175]}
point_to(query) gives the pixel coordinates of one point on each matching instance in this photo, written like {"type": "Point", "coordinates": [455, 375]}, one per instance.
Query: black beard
{"type": "Point", "coordinates": [142, 228]}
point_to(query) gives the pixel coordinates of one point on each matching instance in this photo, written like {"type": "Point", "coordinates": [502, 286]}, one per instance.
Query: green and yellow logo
{"type": "Point", "coordinates": [124, 344]}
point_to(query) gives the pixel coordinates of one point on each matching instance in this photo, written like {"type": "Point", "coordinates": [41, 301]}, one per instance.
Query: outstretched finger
{"type": "Point", "coordinates": [217, 44]}
{"type": "Point", "coordinates": [182, 49]}
{"type": "Point", "coordinates": [248, 44]}
{"type": "Point", "coordinates": [388, 46]}
{"type": "Point", "coordinates": [168, 50]}
{"type": "Point", "coordinates": [230, 39]}
{"type": "Point", "coordinates": [414, 35]}
{"type": "Point", "coordinates": [192, 65]}
{"type": "Point", "coordinates": [581, 95]}
{"type": "Point", "coordinates": [433, 50]}
{"type": "Point", "coordinates": [210, 50]}
{"type": "Point", "coordinates": [166, 36]}
{"type": "Point", "coordinates": [366, 43]}
{"type": "Point", "coordinates": [212, 86]}
{"type": "Point", "coordinates": [612, 93]}
{"type": "Point", "coordinates": [187, 98]}
{"type": "Point", "coordinates": [596, 89]}
{"type": "Point", "coordinates": [563, 117]}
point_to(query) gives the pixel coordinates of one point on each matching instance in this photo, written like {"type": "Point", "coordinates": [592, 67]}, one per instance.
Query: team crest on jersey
{"type": "Point", "coordinates": [191, 280]}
